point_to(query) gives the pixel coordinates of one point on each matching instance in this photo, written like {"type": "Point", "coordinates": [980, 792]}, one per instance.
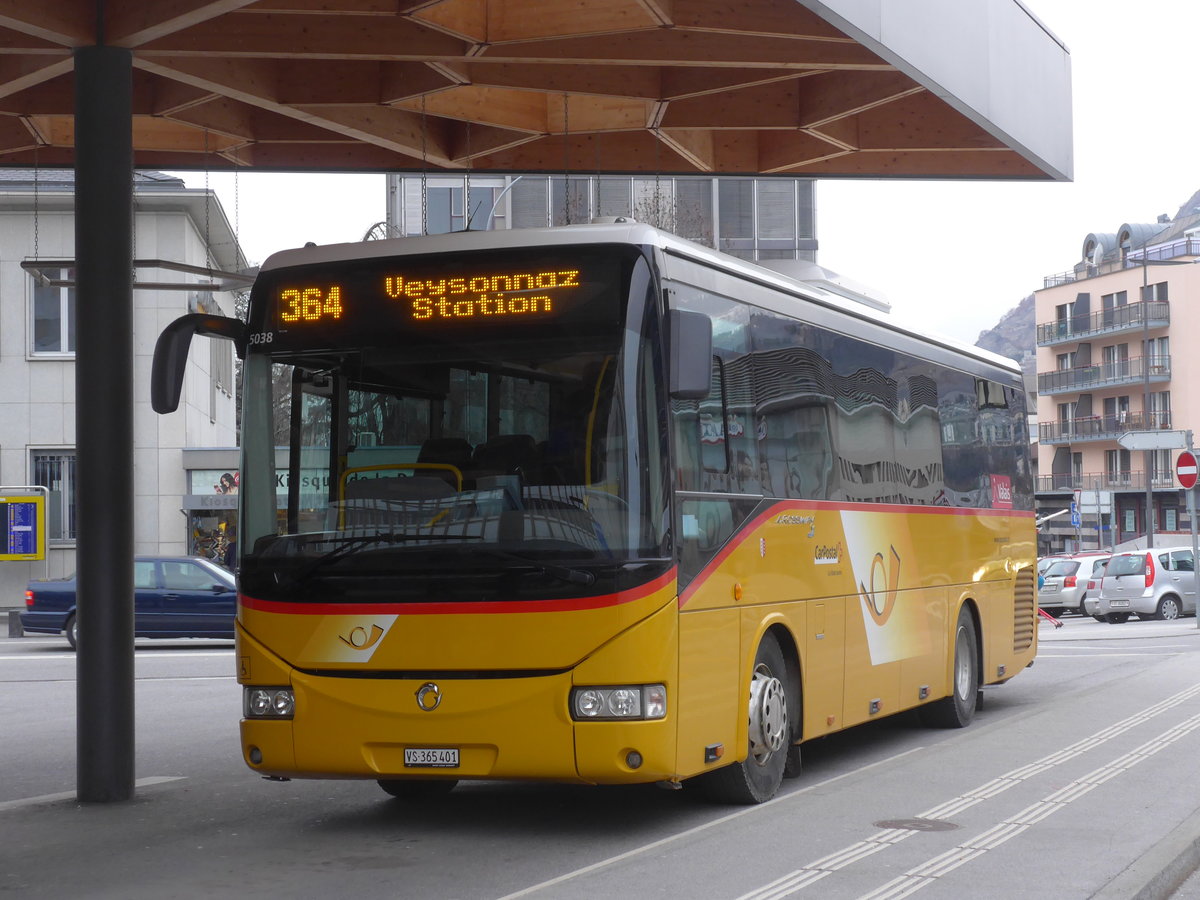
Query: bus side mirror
{"type": "Point", "coordinates": [171, 353]}
{"type": "Point", "coordinates": [691, 354]}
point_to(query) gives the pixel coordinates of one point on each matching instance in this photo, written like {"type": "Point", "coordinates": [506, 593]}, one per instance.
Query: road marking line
{"type": "Point", "coordinates": [827, 865]}
{"type": "Point", "coordinates": [6, 805]}
{"type": "Point", "coordinates": [925, 874]}
{"type": "Point", "coordinates": [646, 848]}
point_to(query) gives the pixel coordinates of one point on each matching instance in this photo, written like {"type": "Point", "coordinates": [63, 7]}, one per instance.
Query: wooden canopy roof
{"type": "Point", "coordinates": [672, 86]}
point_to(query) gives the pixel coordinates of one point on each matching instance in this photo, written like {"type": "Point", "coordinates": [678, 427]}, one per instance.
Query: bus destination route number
{"type": "Point", "coordinates": [480, 298]}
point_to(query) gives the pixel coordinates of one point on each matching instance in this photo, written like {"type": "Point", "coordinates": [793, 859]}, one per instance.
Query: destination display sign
{"type": "Point", "coordinates": [449, 296]}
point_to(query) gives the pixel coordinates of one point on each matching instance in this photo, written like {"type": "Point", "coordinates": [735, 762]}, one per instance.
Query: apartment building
{"type": "Point", "coordinates": [1117, 354]}
{"type": "Point", "coordinates": [181, 502]}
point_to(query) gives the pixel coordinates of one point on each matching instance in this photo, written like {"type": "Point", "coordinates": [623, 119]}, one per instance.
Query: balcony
{"type": "Point", "coordinates": [1118, 320]}
{"type": "Point", "coordinates": [1100, 428]}
{"type": "Point", "coordinates": [1122, 372]}
{"type": "Point", "coordinates": [1104, 481]}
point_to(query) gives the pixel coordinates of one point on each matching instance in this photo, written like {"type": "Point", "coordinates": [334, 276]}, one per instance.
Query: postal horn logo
{"type": "Point", "coordinates": [360, 639]}
{"type": "Point", "coordinates": [429, 696]}
{"type": "Point", "coordinates": [880, 599]}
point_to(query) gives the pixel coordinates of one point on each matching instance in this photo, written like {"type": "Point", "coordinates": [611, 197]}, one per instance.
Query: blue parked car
{"type": "Point", "coordinates": [175, 596]}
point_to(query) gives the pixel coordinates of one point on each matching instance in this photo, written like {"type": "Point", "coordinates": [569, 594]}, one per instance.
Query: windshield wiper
{"type": "Point", "coordinates": [562, 573]}
{"type": "Point", "coordinates": [352, 545]}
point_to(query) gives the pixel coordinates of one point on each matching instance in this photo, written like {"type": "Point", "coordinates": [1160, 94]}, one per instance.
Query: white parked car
{"type": "Point", "coordinates": [1064, 583]}
{"type": "Point", "coordinates": [1155, 584]}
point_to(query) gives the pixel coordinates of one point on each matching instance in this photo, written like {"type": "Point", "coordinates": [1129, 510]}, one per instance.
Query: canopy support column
{"type": "Point", "coordinates": [104, 421]}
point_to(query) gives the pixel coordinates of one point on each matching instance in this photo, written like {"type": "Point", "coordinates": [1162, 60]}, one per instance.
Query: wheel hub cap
{"type": "Point", "coordinates": [768, 715]}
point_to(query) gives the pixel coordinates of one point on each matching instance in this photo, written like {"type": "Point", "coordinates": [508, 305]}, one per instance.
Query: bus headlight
{"type": "Point", "coordinates": [268, 703]}
{"type": "Point", "coordinates": [637, 701]}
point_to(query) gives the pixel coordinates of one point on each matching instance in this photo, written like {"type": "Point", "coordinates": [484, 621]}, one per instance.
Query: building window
{"type": "Point", "coordinates": [221, 365]}
{"type": "Point", "coordinates": [1160, 410]}
{"type": "Point", "coordinates": [446, 210]}
{"type": "Point", "coordinates": [1159, 355]}
{"type": "Point", "coordinates": [1066, 418]}
{"type": "Point", "coordinates": [1162, 466]}
{"type": "Point", "coordinates": [53, 315]}
{"type": "Point", "coordinates": [1116, 467]}
{"type": "Point", "coordinates": [735, 226]}
{"type": "Point", "coordinates": [1062, 315]}
{"type": "Point", "coordinates": [55, 470]}
{"type": "Point", "coordinates": [1155, 291]}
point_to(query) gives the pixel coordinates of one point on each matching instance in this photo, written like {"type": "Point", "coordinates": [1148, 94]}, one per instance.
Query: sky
{"type": "Point", "coordinates": [954, 256]}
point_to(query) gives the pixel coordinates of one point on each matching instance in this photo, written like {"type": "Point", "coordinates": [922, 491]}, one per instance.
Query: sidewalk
{"type": "Point", "coordinates": [1172, 870]}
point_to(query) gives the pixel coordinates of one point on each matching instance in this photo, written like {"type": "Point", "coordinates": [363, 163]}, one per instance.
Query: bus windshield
{"type": "Point", "coordinates": [523, 459]}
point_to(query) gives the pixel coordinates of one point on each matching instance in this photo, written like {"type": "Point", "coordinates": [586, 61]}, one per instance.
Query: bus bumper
{"type": "Point", "coordinates": [499, 728]}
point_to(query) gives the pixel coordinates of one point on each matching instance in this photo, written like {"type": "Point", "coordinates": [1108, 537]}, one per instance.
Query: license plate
{"type": "Point", "coordinates": [431, 757]}
{"type": "Point", "coordinates": [1050, 589]}
{"type": "Point", "coordinates": [1117, 603]}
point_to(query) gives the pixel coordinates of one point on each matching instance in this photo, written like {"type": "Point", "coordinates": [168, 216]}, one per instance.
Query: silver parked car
{"type": "Point", "coordinates": [1064, 583]}
{"type": "Point", "coordinates": [1091, 594]}
{"type": "Point", "coordinates": [1159, 584]}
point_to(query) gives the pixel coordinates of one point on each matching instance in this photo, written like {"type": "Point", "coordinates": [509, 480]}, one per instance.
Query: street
{"type": "Point", "coordinates": [1070, 775]}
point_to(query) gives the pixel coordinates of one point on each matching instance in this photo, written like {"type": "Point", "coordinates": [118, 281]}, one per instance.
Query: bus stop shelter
{"type": "Point", "coordinates": [845, 88]}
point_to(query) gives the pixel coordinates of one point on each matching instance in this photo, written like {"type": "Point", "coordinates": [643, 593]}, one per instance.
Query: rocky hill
{"type": "Point", "coordinates": [1015, 335]}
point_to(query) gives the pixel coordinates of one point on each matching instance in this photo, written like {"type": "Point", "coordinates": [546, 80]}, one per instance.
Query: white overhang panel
{"type": "Point", "coordinates": [992, 60]}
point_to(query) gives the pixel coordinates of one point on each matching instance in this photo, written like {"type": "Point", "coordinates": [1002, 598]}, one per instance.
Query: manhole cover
{"type": "Point", "coordinates": [917, 824]}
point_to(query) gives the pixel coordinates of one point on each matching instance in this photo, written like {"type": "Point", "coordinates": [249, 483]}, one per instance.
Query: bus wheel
{"type": "Point", "coordinates": [411, 789]}
{"type": "Point", "coordinates": [957, 710]}
{"type": "Point", "coordinates": [757, 778]}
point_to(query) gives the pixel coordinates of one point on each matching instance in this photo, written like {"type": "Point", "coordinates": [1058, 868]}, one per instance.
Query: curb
{"type": "Point", "coordinates": [1161, 870]}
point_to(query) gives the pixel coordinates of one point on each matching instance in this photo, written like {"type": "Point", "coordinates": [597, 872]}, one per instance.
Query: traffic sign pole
{"type": "Point", "coordinates": [1189, 456]}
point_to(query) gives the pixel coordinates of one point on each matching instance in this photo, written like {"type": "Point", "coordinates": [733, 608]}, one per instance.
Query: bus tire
{"type": "Point", "coordinates": [957, 710]}
{"type": "Point", "coordinates": [418, 789]}
{"type": "Point", "coordinates": [756, 778]}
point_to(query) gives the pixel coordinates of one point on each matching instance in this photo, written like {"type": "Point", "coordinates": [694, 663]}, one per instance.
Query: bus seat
{"type": "Point", "coordinates": [447, 452]}
{"type": "Point", "coordinates": [505, 454]}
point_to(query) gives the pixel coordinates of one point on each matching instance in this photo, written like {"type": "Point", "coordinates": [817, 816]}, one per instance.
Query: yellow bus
{"type": "Point", "coordinates": [595, 504]}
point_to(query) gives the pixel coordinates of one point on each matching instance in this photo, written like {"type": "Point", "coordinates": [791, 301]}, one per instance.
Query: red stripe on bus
{"type": "Point", "coordinates": [747, 530]}
{"type": "Point", "coordinates": [491, 607]}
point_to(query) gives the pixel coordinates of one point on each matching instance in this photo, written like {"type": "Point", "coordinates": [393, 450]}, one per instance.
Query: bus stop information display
{"type": "Point", "coordinates": [21, 528]}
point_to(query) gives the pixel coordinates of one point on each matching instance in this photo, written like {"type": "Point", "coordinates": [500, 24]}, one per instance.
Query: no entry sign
{"type": "Point", "coordinates": [1185, 469]}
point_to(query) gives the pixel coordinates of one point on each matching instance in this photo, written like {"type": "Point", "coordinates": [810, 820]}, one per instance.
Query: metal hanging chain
{"type": "Point", "coordinates": [207, 205]}
{"type": "Point", "coordinates": [566, 161]}
{"type": "Point", "coordinates": [237, 211]}
{"type": "Point", "coordinates": [467, 194]}
{"type": "Point", "coordinates": [424, 173]}
{"type": "Point", "coordinates": [36, 198]}
{"type": "Point", "coordinates": [596, 144]}
{"type": "Point", "coordinates": [658, 199]}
